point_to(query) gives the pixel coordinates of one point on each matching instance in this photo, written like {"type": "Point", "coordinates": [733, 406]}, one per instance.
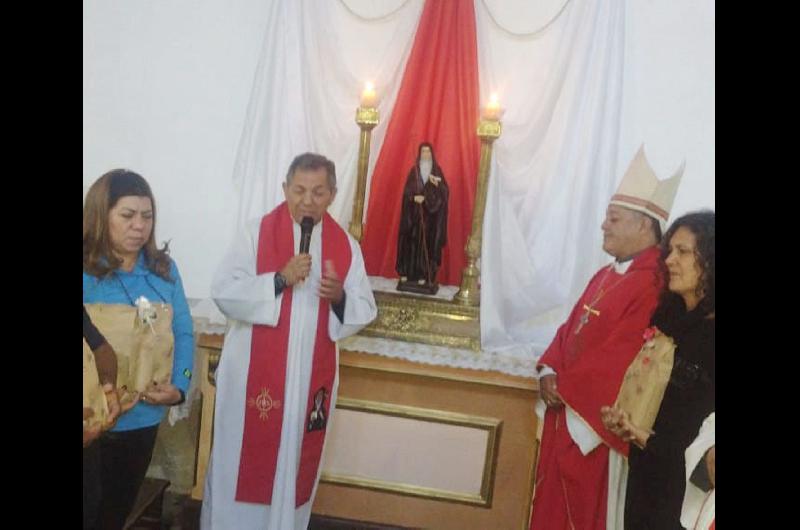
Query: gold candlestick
{"type": "Point", "coordinates": [366, 118]}
{"type": "Point", "coordinates": [469, 293]}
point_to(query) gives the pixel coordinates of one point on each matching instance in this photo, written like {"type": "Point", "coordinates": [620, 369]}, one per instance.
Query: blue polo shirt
{"type": "Point", "coordinates": [123, 287]}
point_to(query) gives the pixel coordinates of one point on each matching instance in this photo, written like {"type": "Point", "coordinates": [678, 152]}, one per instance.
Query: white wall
{"type": "Point", "coordinates": [166, 86]}
{"type": "Point", "coordinates": [167, 82]}
{"type": "Point", "coordinates": [668, 94]}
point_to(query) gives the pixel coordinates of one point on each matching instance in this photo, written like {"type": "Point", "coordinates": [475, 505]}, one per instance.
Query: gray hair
{"type": "Point", "coordinates": [312, 161]}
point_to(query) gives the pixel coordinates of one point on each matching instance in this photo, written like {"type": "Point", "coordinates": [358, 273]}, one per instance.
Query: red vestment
{"type": "Point", "coordinates": [571, 489]}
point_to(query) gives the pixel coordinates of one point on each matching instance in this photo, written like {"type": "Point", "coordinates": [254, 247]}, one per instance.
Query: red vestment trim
{"type": "Point", "coordinates": [266, 375]}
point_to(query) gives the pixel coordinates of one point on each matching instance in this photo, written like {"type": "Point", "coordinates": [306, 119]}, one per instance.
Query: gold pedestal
{"type": "Point", "coordinates": [366, 118]}
{"type": "Point", "coordinates": [469, 294]}
{"type": "Point", "coordinates": [427, 320]}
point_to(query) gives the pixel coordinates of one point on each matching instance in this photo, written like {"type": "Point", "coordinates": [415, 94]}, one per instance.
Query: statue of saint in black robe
{"type": "Point", "coordinates": [423, 224]}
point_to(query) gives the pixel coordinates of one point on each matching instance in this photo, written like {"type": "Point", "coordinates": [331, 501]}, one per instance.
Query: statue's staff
{"type": "Point", "coordinates": [424, 242]}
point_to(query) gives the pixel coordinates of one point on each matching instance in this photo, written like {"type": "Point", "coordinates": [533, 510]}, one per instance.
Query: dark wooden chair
{"type": "Point", "coordinates": [146, 513]}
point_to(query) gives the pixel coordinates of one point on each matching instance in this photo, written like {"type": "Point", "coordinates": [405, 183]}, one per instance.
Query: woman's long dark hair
{"type": "Point", "coordinates": [702, 225]}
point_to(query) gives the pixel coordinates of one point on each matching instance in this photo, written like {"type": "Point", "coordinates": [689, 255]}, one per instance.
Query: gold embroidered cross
{"type": "Point", "coordinates": [264, 403]}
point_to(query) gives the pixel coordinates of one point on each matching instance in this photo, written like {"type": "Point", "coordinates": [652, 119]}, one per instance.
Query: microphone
{"type": "Point", "coordinates": [306, 226]}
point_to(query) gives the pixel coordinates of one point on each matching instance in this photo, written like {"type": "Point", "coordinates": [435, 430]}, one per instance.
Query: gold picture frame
{"type": "Point", "coordinates": [491, 425]}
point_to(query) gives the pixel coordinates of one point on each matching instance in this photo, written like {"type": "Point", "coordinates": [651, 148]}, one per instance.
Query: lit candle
{"type": "Point", "coordinates": [492, 110]}
{"type": "Point", "coordinates": [368, 97]}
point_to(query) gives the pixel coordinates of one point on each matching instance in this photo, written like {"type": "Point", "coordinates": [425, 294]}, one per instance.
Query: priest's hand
{"type": "Point", "coordinates": [548, 389]}
{"type": "Point", "coordinates": [711, 464]}
{"type": "Point", "coordinates": [161, 394]}
{"type": "Point", "coordinates": [297, 269]}
{"type": "Point", "coordinates": [419, 199]}
{"type": "Point", "coordinates": [330, 286]}
{"type": "Point", "coordinates": [435, 180]}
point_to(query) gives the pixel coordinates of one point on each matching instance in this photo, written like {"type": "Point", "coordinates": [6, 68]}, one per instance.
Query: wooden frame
{"type": "Point", "coordinates": [491, 425]}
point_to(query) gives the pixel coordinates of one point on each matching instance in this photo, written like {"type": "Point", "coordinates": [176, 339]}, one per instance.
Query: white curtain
{"type": "Point", "coordinates": [553, 170]}
{"type": "Point", "coordinates": [316, 57]}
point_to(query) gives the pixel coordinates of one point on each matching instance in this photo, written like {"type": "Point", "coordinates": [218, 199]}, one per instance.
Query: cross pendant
{"type": "Point", "coordinates": [585, 317]}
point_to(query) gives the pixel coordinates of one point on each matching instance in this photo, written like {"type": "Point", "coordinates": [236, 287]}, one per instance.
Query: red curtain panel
{"type": "Point", "coordinates": [437, 102]}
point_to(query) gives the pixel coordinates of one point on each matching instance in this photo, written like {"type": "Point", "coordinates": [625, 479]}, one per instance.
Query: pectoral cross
{"type": "Point", "coordinates": [585, 317]}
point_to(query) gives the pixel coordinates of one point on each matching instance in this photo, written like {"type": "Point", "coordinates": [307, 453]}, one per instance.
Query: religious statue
{"type": "Point", "coordinates": [423, 224]}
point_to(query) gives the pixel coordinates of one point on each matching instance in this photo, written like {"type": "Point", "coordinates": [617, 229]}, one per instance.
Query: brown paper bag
{"type": "Point", "coordinates": [93, 395]}
{"type": "Point", "coordinates": [646, 381]}
{"type": "Point", "coordinates": [144, 351]}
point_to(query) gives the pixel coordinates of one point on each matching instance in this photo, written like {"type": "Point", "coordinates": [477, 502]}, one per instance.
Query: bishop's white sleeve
{"type": "Point", "coordinates": [359, 306]}
{"type": "Point", "coordinates": [238, 291]}
{"type": "Point", "coordinates": [580, 432]}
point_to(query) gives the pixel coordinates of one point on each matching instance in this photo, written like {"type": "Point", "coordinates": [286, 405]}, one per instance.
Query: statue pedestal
{"type": "Point", "coordinates": [416, 287]}
{"type": "Point", "coordinates": [428, 320]}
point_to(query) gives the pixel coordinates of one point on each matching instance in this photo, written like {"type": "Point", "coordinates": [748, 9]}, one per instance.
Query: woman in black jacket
{"type": "Point", "coordinates": [656, 476]}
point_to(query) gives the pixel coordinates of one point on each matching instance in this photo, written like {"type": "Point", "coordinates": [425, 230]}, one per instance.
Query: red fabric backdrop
{"type": "Point", "coordinates": [437, 102]}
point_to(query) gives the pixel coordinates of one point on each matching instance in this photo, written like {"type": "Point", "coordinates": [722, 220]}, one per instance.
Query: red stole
{"type": "Point", "coordinates": [266, 376]}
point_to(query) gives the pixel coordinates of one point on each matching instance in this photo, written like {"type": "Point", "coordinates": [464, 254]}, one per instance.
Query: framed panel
{"type": "Point", "coordinates": [428, 453]}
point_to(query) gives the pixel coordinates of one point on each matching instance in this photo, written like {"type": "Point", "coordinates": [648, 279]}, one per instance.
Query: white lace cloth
{"type": "Point", "coordinates": [206, 318]}
{"type": "Point", "coordinates": [179, 412]}
{"type": "Point", "coordinates": [506, 362]}
{"type": "Point", "coordinates": [517, 360]}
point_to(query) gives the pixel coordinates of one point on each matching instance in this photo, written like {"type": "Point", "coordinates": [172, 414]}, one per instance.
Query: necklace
{"type": "Point", "coordinates": [590, 308]}
{"type": "Point", "coordinates": [130, 298]}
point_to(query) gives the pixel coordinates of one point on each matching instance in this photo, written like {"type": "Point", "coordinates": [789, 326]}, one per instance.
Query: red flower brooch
{"type": "Point", "coordinates": [650, 335]}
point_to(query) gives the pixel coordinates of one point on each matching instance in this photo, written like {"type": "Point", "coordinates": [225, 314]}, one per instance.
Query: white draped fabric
{"type": "Point", "coordinates": [554, 167]}
{"type": "Point", "coordinates": [315, 60]}
{"type": "Point", "coordinates": [553, 170]}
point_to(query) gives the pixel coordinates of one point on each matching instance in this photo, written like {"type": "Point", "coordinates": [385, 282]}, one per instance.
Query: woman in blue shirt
{"type": "Point", "coordinates": [121, 263]}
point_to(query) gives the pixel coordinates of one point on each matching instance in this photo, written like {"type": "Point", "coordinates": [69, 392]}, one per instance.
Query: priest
{"type": "Point", "coordinates": [293, 283]}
